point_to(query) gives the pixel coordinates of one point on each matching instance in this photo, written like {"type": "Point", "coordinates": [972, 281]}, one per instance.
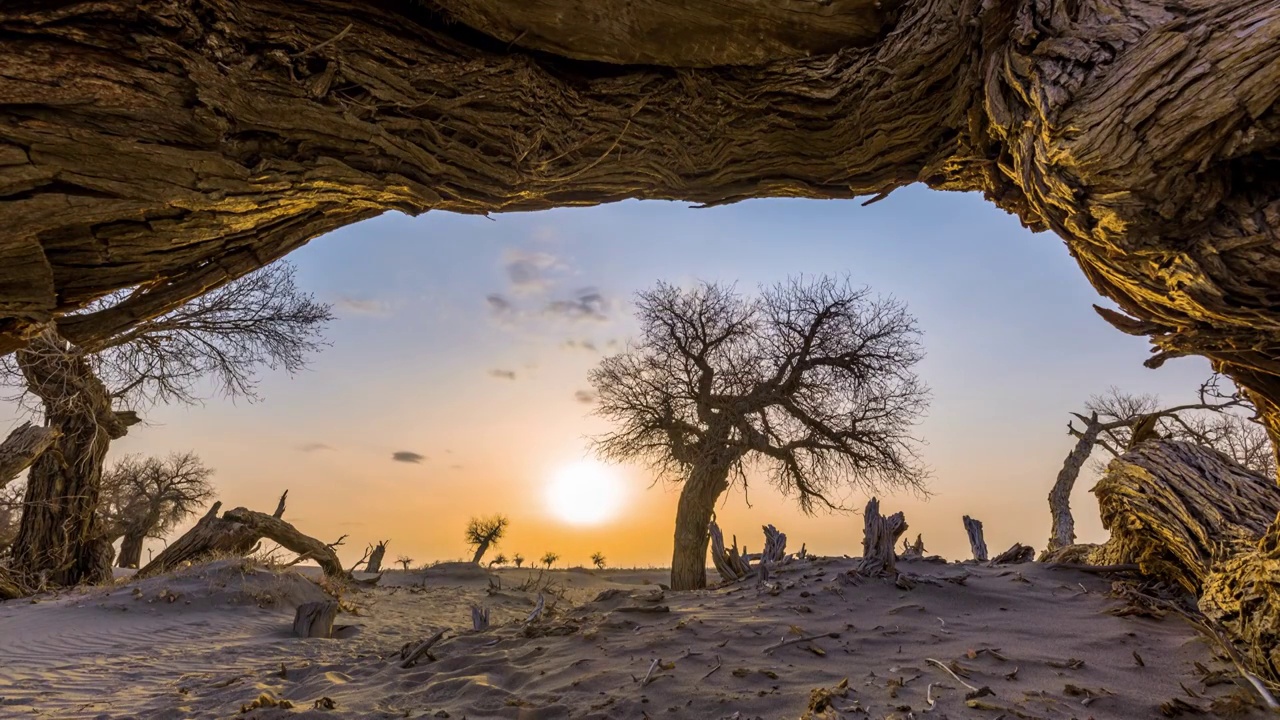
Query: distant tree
{"type": "Point", "coordinates": [517, 559]}
{"type": "Point", "coordinates": [404, 561]}
{"type": "Point", "coordinates": [500, 559]}
{"type": "Point", "coordinates": [10, 512]}
{"type": "Point", "coordinates": [91, 395]}
{"type": "Point", "coordinates": [1115, 421]}
{"type": "Point", "coordinates": [550, 559]}
{"type": "Point", "coordinates": [146, 497]}
{"type": "Point", "coordinates": [483, 533]}
{"type": "Point", "coordinates": [812, 381]}
{"type": "Point", "coordinates": [597, 559]}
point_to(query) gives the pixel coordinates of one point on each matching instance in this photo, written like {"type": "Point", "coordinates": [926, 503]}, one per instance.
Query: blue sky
{"type": "Point", "coordinates": [1012, 345]}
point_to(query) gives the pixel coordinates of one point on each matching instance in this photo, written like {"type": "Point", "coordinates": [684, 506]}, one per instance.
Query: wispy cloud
{"type": "Point", "coordinates": [586, 397]}
{"type": "Point", "coordinates": [314, 447]}
{"type": "Point", "coordinates": [586, 305]}
{"type": "Point", "coordinates": [587, 345]}
{"type": "Point", "coordinates": [407, 456]}
{"type": "Point", "coordinates": [503, 374]}
{"type": "Point", "coordinates": [362, 306]}
{"type": "Point", "coordinates": [530, 272]}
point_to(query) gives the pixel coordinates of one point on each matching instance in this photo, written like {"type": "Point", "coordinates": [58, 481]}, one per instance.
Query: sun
{"type": "Point", "coordinates": [585, 493]}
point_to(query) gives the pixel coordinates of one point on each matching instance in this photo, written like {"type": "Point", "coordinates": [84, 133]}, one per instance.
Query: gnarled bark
{"type": "Point", "coordinates": [693, 522]}
{"type": "Point", "coordinates": [879, 537]}
{"type": "Point", "coordinates": [58, 539]}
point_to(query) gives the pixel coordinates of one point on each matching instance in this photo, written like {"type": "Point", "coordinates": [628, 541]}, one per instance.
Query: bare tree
{"type": "Point", "coordinates": [146, 497]}
{"type": "Point", "coordinates": [404, 561]}
{"type": "Point", "coordinates": [1116, 421]}
{"type": "Point", "coordinates": [549, 558]}
{"type": "Point", "coordinates": [483, 533]}
{"type": "Point", "coordinates": [90, 395]}
{"type": "Point", "coordinates": [812, 381]}
{"type": "Point", "coordinates": [597, 559]}
{"type": "Point", "coordinates": [499, 559]}
{"type": "Point", "coordinates": [517, 560]}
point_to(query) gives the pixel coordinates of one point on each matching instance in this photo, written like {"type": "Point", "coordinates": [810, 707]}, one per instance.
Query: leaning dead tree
{"type": "Point", "coordinates": [483, 533]}
{"type": "Point", "coordinates": [90, 395]}
{"type": "Point", "coordinates": [1191, 516]}
{"type": "Point", "coordinates": [1117, 421]}
{"type": "Point", "coordinates": [212, 535]}
{"type": "Point", "coordinates": [812, 380]}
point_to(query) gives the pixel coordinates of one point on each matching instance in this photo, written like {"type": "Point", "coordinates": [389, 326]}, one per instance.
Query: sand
{"type": "Point", "coordinates": [208, 641]}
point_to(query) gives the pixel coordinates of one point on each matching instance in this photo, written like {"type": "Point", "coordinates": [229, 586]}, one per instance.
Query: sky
{"type": "Point", "coordinates": [455, 383]}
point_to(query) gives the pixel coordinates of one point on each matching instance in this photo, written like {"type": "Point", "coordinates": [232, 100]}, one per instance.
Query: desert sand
{"type": "Point", "coordinates": [212, 640]}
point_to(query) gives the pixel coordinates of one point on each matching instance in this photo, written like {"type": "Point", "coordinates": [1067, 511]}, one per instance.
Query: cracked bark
{"type": "Point", "coordinates": [147, 143]}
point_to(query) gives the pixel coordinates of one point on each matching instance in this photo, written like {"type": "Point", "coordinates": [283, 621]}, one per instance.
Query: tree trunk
{"type": "Point", "coordinates": [481, 549]}
{"type": "Point", "coordinates": [973, 528]}
{"type": "Point", "coordinates": [130, 550]}
{"type": "Point", "coordinates": [193, 139]}
{"type": "Point", "coordinates": [58, 537]}
{"type": "Point", "coordinates": [693, 525]}
{"type": "Point", "coordinates": [1064, 525]}
{"type": "Point", "coordinates": [879, 539]}
{"type": "Point", "coordinates": [1192, 517]}
{"type": "Point", "coordinates": [315, 619]}
{"type": "Point", "coordinates": [288, 536]}
{"type": "Point", "coordinates": [210, 535]}
{"type": "Point", "coordinates": [375, 558]}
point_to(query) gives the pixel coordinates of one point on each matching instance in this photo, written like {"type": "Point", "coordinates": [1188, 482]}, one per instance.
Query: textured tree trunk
{"type": "Point", "coordinates": [211, 535]}
{"type": "Point", "coordinates": [977, 544]}
{"type": "Point", "coordinates": [880, 535]}
{"type": "Point", "coordinates": [58, 540]}
{"type": "Point", "coordinates": [693, 524]}
{"type": "Point", "coordinates": [130, 551]}
{"type": "Point", "coordinates": [21, 448]}
{"type": "Point", "coordinates": [141, 141]}
{"type": "Point", "coordinates": [1063, 533]}
{"type": "Point", "coordinates": [375, 558]}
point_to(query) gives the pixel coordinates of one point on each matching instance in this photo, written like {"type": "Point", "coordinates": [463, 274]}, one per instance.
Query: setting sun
{"type": "Point", "coordinates": [584, 493]}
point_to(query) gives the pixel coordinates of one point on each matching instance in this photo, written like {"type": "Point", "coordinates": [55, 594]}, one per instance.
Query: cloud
{"type": "Point", "coordinates": [455, 467]}
{"type": "Point", "coordinates": [503, 374]}
{"type": "Point", "coordinates": [407, 456]}
{"type": "Point", "coordinates": [359, 306]}
{"type": "Point", "coordinates": [586, 397]}
{"type": "Point", "coordinates": [587, 304]}
{"type": "Point", "coordinates": [499, 305]}
{"type": "Point", "coordinates": [529, 272]}
{"type": "Point", "coordinates": [314, 447]}
{"type": "Point", "coordinates": [580, 345]}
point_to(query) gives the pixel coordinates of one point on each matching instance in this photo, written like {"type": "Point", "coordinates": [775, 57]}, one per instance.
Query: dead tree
{"type": "Point", "coordinates": [212, 535]}
{"type": "Point", "coordinates": [483, 533]}
{"type": "Point", "coordinates": [1194, 518]}
{"type": "Point", "coordinates": [273, 528]}
{"type": "Point", "coordinates": [1117, 421]}
{"type": "Point", "coordinates": [812, 379]}
{"type": "Point", "coordinates": [1018, 553]}
{"type": "Point", "coordinates": [91, 393]}
{"type": "Point", "coordinates": [973, 528]}
{"type": "Point", "coordinates": [21, 448]}
{"type": "Point", "coordinates": [879, 538]}
{"type": "Point", "coordinates": [374, 564]}
{"type": "Point", "coordinates": [728, 562]}
{"type": "Point", "coordinates": [775, 546]}
{"type": "Point", "coordinates": [315, 619]}
{"type": "Point", "coordinates": [404, 561]}
{"type": "Point", "coordinates": [146, 497]}
{"type": "Point", "coordinates": [913, 551]}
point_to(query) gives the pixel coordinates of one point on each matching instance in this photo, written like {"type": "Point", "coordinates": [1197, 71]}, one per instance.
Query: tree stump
{"type": "Point", "coordinates": [915, 550]}
{"type": "Point", "coordinates": [728, 562]}
{"type": "Point", "coordinates": [775, 545]}
{"type": "Point", "coordinates": [879, 538]}
{"type": "Point", "coordinates": [315, 619]}
{"type": "Point", "coordinates": [1019, 553]}
{"type": "Point", "coordinates": [973, 528]}
{"type": "Point", "coordinates": [375, 558]}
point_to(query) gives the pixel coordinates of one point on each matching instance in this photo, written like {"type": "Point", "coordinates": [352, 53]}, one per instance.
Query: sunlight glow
{"type": "Point", "coordinates": [585, 493]}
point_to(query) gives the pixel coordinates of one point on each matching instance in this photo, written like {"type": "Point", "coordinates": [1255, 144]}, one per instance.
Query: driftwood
{"type": "Point", "coordinates": [1192, 517]}
{"type": "Point", "coordinates": [315, 619]}
{"type": "Point", "coordinates": [729, 563]}
{"type": "Point", "coordinates": [21, 448]}
{"type": "Point", "coordinates": [410, 654]}
{"type": "Point", "coordinates": [274, 528]}
{"type": "Point", "coordinates": [879, 538]}
{"type": "Point", "coordinates": [375, 558]}
{"type": "Point", "coordinates": [1019, 553]}
{"type": "Point", "coordinates": [973, 528]}
{"type": "Point", "coordinates": [775, 545]}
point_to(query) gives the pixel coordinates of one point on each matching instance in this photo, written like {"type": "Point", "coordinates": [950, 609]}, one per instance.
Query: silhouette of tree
{"type": "Point", "coordinates": [146, 497]}
{"type": "Point", "coordinates": [597, 559]}
{"type": "Point", "coordinates": [549, 558]}
{"type": "Point", "coordinates": [483, 533]}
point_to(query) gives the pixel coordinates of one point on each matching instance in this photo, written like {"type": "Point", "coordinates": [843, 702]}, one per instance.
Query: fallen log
{"type": "Point", "coordinates": [212, 535]}
{"type": "Point", "coordinates": [1192, 517]}
{"type": "Point", "coordinates": [272, 527]}
{"type": "Point", "coordinates": [315, 619]}
{"type": "Point", "coordinates": [973, 528]}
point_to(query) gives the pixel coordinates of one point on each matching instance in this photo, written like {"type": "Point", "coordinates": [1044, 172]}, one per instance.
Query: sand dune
{"type": "Point", "coordinates": [208, 641]}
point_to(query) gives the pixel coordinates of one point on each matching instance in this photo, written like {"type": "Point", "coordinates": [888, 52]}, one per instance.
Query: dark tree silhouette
{"type": "Point", "coordinates": [147, 497]}
{"type": "Point", "coordinates": [90, 395]}
{"type": "Point", "coordinates": [404, 561]}
{"type": "Point", "coordinates": [812, 381]}
{"type": "Point", "coordinates": [517, 560]}
{"type": "Point", "coordinates": [499, 559]}
{"type": "Point", "coordinates": [484, 533]}
{"type": "Point", "coordinates": [550, 558]}
{"type": "Point", "coordinates": [597, 559]}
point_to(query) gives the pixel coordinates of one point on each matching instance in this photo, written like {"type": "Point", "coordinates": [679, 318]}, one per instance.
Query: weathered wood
{"type": "Point", "coordinates": [728, 562]}
{"type": "Point", "coordinates": [374, 563]}
{"type": "Point", "coordinates": [411, 654]}
{"type": "Point", "coordinates": [879, 537]}
{"type": "Point", "coordinates": [775, 545]}
{"type": "Point", "coordinates": [22, 447]}
{"type": "Point", "coordinates": [315, 619]}
{"type": "Point", "coordinates": [1019, 553]}
{"type": "Point", "coordinates": [977, 545]}
{"type": "Point", "coordinates": [288, 536]}
{"type": "Point", "coordinates": [211, 535]}
{"type": "Point", "coordinates": [1192, 517]}
{"type": "Point", "coordinates": [913, 551]}
{"type": "Point", "coordinates": [479, 617]}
